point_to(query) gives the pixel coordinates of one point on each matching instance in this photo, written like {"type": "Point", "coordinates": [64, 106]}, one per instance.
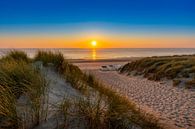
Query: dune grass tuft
{"type": "Point", "coordinates": [118, 106]}
{"type": "Point", "coordinates": [157, 68]}
{"type": "Point", "coordinates": [121, 113]}
{"type": "Point", "coordinates": [110, 110]}
{"type": "Point", "coordinates": [17, 55]}
{"type": "Point", "coordinates": [17, 77]}
{"type": "Point", "coordinates": [106, 110]}
{"type": "Point", "coordinates": [8, 114]}
{"type": "Point", "coordinates": [47, 57]}
{"type": "Point", "coordinates": [93, 112]}
{"type": "Point", "coordinates": [71, 73]}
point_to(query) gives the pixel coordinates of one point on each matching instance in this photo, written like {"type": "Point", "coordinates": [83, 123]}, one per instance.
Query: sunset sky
{"type": "Point", "coordinates": [112, 23]}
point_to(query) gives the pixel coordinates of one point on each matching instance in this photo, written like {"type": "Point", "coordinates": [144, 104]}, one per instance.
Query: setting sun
{"type": "Point", "coordinates": [94, 43]}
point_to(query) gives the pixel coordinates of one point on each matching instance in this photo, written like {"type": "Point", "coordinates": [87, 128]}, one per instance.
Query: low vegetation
{"type": "Point", "coordinates": [17, 56]}
{"type": "Point", "coordinates": [120, 112]}
{"type": "Point", "coordinates": [71, 73]}
{"type": "Point", "coordinates": [177, 68]}
{"type": "Point", "coordinates": [99, 108]}
{"type": "Point", "coordinates": [100, 111]}
{"type": "Point", "coordinates": [8, 114]}
{"type": "Point", "coordinates": [18, 77]}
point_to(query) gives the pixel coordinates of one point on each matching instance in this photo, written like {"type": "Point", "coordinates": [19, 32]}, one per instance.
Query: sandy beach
{"type": "Point", "coordinates": [97, 64]}
{"type": "Point", "coordinates": [86, 64]}
{"type": "Point", "coordinates": [172, 104]}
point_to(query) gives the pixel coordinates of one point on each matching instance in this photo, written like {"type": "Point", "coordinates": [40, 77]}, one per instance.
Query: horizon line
{"type": "Point", "coordinates": [107, 48]}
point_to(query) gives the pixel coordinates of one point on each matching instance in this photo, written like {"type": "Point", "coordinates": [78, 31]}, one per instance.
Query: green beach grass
{"type": "Point", "coordinates": [108, 110]}
{"type": "Point", "coordinates": [118, 105]}
{"type": "Point", "coordinates": [176, 68]}
{"type": "Point", "coordinates": [18, 77]}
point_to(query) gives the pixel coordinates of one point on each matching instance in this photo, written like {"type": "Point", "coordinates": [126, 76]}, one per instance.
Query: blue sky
{"type": "Point", "coordinates": [60, 11]}
{"type": "Point", "coordinates": [130, 12]}
{"type": "Point", "coordinates": [117, 17]}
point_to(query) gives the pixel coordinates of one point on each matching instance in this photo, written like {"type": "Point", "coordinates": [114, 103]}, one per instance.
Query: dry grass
{"type": "Point", "coordinates": [93, 112]}
{"type": "Point", "coordinates": [110, 110]}
{"type": "Point", "coordinates": [71, 73]}
{"type": "Point", "coordinates": [120, 112]}
{"type": "Point", "coordinates": [17, 77]}
{"type": "Point", "coordinates": [8, 114]}
{"type": "Point", "coordinates": [107, 110]}
{"type": "Point", "coordinates": [17, 55]}
{"type": "Point", "coordinates": [47, 57]}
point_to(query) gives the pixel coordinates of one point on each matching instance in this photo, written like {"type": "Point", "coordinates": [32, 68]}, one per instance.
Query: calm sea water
{"type": "Point", "coordinates": [74, 53]}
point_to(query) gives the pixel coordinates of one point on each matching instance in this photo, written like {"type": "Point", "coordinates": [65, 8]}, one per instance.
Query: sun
{"type": "Point", "coordinates": [94, 43]}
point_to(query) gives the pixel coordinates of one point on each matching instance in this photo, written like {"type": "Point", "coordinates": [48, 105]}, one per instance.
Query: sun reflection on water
{"type": "Point", "coordinates": [94, 57]}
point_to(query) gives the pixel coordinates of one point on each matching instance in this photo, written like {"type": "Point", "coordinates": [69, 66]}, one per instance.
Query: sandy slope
{"type": "Point", "coordinates": [58, 90]}
{"type": "Point", "coordinates": [169, 103]}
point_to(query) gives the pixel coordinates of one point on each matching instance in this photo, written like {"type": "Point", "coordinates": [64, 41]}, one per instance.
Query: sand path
{"type": "Point", "coordinates": [171, 103]}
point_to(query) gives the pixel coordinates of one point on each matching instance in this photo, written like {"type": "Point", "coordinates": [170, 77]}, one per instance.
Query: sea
{"type": "Point", "coordinates": [107, 53]}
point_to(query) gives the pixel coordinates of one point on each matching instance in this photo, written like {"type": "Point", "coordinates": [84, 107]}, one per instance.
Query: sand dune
{"type": "Point", "coordinates": [170, 104]}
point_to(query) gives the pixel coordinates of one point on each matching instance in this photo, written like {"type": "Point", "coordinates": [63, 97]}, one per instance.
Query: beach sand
{"type": "Point", "coordinates": [170, 104]}
{"type": "Point", "coordinates": [58, 89]}
{"type": "Point", "coordinates": [96, 64]}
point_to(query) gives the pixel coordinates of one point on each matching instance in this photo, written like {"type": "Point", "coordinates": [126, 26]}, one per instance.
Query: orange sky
{"type": "Point", "coordinates": [103, 41]}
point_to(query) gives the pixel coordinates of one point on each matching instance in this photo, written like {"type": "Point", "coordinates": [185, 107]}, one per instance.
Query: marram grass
{"type": "Point", "coordinates": [107, 110]}
{"type": "Point", "coordinates": [176, 68]}
{"type": "Point", "coordinates": [17, 56]}
{"type": "Point", "coordinates": [18, 77]}
{"type": "Point", "coordinates": [8, 114]}
{"type": "Point", "coordinates": [118, 106]}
